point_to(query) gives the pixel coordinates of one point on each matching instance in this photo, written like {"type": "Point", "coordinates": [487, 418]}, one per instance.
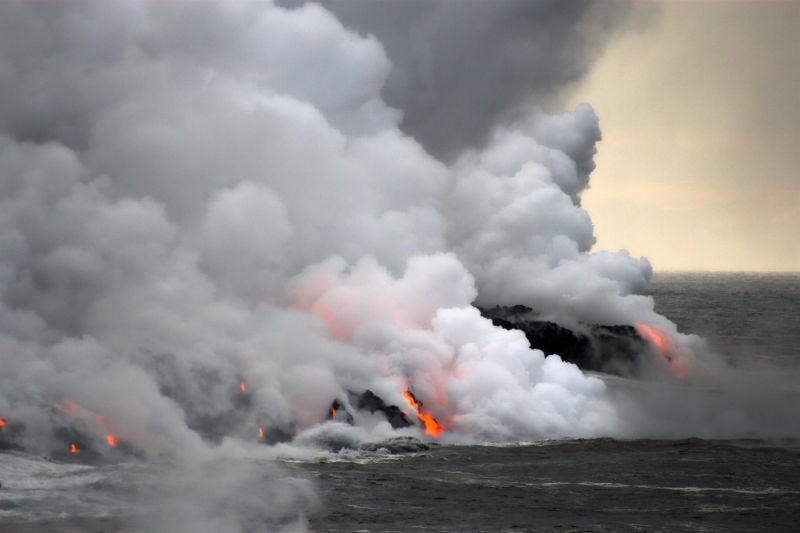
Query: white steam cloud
{"type": "Point", "coordinates": [198, 195]}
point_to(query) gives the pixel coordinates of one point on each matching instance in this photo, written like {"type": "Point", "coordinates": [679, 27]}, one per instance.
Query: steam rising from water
{"type": "Point", "coordinates": [198, 196]}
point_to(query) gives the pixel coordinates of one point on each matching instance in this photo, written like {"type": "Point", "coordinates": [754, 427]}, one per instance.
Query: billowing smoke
{"type": "Point", "coordinates": [460, 67]}
{"type": "Point", "coordinates": [211, 222]}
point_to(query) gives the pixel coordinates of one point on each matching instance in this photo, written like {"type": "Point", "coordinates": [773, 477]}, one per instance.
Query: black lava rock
{"type": "Point", "coordinates": [338, 413]}
{"type": "Point", "coordinates": [369, 401]}
{"type": "Point", "coordinates": [612, 349]}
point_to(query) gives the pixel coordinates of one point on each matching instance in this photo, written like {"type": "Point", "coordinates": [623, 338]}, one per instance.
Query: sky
{"type": "Point", "coordinates": [699, 105]}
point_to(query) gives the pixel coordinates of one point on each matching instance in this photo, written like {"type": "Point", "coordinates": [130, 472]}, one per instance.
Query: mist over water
{"type": "Point", "coordinates": [206, 241]}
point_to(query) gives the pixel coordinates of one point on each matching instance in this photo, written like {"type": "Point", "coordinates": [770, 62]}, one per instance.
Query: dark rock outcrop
{"type": "Point", "coordinates": [276, 435]}
{"type": "Point", "coordinates": [369, 401]}
{"type": "Point", "coordinates": [9, 433]}
{"type": "Point", "coordinates": [613, 349]}
{"type": "Point", "coordinates": [339, 413]}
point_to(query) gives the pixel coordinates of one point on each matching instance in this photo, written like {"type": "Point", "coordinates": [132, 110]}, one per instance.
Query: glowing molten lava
{"type": "Point", "coordinates": [261, 433]}
{"type": "Point", "coordinates": [676, 364]}
{"type": "Point", "coordinates": [2, 423]}
{"type": "Point", "coordinates": [242, 387]}
{"type": "Point", "coordinates": [73, 448]}
{"type": "Point", "coordinates": [660, 341]}
{"type": "Point", "coordinates": [430, 426]}
{"type": "Point", "coordinates": [656, 337]}
{"type": "Point", "coordinates": [332, 414]}
{"type": "Point", "coordinates": [83, 415]}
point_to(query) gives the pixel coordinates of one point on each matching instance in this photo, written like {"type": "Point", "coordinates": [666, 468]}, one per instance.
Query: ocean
{"type": "Point", "coordinates": [748, 483]}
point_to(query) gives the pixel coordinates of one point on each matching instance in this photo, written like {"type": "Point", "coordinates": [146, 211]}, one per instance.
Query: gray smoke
{"type": "Point", "coordinates": [460, 68]}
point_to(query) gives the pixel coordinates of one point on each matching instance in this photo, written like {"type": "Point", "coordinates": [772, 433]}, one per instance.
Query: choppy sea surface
{"type": "Point", "coordinates": [752, 319]}
{"type": "Point", "coordinates": [750, 484]}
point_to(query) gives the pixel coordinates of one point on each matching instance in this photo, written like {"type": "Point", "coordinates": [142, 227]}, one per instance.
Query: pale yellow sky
{"type": "Point", "coordinates": [699, 167]}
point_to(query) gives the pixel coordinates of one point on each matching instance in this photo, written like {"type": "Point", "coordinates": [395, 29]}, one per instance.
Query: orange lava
{"type": "Point", "coordinates": [261, 433]}
{"type": "Point", "coordinates": [676, 364]}
{"type": "Point", "coordinates": [84, 415]}
{"type": "Point", "coordinates": [430, 426]}
{"type": "Point", "coordinates": [242, 387]}
{"type": "Point", "coordinates": [2, 423]}
{"type": "Point", "coordinates": [332, 414]}
{"type": "Point", "coordinates": [73, 448]}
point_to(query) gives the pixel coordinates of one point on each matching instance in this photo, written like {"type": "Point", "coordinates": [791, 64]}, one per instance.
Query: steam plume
{"type": "Point", "coordinates": [195, 196]}
{"type": "Point", "coordinates": [459, 68]}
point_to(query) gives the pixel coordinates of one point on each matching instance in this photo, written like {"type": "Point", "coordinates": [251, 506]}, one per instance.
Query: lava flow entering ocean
{"type": "Point", "coordinates": [665, 348]}
{"type": "Point", "coordinates": [430, 426]}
